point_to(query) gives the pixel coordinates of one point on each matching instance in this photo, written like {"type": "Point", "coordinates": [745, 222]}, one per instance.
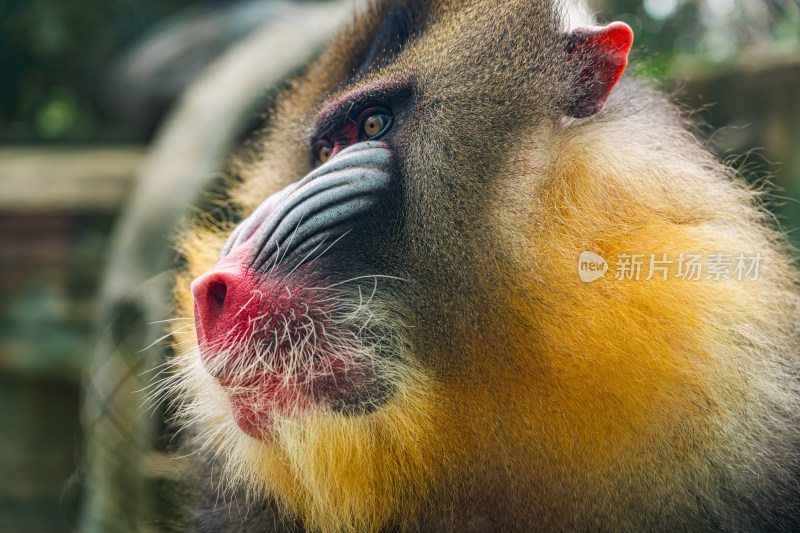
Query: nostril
{"type": "Point", "coordinates": [217, 290]}
{"type": "Point", "coordinates": [220, 295]}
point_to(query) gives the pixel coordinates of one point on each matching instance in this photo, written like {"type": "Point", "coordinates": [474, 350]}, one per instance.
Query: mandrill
{"type": "Point", "coordinates": [484, 282]}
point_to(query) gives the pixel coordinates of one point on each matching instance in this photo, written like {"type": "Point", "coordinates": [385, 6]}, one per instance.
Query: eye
{"type": "Point", "coordinates": [375, 123]}
{"type": "Point", "coordinates": [324, 151]}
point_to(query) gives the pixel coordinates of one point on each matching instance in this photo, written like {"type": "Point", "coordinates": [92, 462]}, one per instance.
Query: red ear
{"type": "Point", "coordinates": [601, 54]}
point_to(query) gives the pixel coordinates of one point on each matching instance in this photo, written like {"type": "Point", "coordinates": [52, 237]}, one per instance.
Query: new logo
{"type": "Point", "coordinates": [591, 266]}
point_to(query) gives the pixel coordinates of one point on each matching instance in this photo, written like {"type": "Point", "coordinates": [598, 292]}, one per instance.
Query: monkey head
{"type": "Point", "coordinates": [396, 334]}
{"type": "Point", "coordinates": [285, 318]}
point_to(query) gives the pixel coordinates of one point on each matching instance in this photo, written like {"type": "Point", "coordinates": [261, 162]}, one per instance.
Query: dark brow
{"type": "Point", "coordinates": [340, 110]}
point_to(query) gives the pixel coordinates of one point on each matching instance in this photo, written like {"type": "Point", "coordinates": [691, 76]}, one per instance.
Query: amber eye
{"type": "Point", "coordinates": [375, 124]}
{"type": "Point", "coordinates": [324, 151]}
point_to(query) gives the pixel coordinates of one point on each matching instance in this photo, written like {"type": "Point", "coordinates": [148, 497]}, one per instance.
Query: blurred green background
{"type": "Point", "coordinates": [86, 84]}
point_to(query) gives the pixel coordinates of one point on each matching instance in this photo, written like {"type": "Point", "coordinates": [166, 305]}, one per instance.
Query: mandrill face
{"type": "Point", "coordinates": [396, 335]}
{"type": "Point", "coordinates": [278, 324]}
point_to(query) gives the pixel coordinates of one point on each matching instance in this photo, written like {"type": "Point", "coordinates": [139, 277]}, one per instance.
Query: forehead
{"type": "Point", "coordinates": [453, 50]}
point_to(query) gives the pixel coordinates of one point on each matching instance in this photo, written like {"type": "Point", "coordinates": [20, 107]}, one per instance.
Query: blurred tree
{"type": "Point", "coordinates": [52, 55]}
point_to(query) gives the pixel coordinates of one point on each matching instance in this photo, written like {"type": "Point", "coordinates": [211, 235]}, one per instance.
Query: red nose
{"type": "Point", "coordinates": [225, 299]}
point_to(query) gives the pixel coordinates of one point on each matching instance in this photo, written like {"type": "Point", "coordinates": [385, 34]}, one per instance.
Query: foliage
{"type": "Point", "coordinates": [54, 55]}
